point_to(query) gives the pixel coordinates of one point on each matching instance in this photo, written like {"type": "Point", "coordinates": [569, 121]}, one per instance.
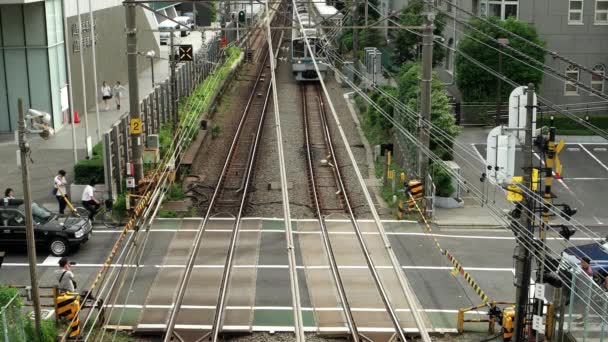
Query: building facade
{"type": "Point", "coordinates": [576, 29]}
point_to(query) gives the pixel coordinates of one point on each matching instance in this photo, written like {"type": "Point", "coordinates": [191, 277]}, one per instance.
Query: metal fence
{"type": "Point", "coordinates": [12, 322]}
{"type": "Point", "coordinates": [156, 109]}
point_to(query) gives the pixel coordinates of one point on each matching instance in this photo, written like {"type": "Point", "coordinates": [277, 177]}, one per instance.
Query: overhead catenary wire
{"type": "Point", "coordinates": [405, 287]}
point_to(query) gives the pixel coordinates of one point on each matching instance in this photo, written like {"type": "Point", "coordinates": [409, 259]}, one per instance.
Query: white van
{"type": "Point", "coordinates": [165, 36]}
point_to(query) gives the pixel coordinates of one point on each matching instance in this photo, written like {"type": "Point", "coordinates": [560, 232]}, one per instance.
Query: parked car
{"type": "Point", "coordinates": [60, 235]}
{"type": "Point", "coordinates": [166, 36]}
{"type": "Point", "coordinates": [597, 252]}
{"type": "Point", "coordinates": [186, 21]}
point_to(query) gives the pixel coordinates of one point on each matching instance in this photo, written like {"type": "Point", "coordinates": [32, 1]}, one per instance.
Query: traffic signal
{"type": "Point", "coordinates": [566, 232]}
{"type": "Point", "coordinates": [185, 53]}
{"type": "Point", "coordinates": [568, 212]}
{"type": "Point", "coordinates": [241, 16]}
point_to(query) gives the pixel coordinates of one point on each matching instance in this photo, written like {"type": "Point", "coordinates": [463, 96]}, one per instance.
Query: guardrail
{"type": "Point", "coordinates": [156, 109]}
{"type": "Point", "coordinates": [12, 322]}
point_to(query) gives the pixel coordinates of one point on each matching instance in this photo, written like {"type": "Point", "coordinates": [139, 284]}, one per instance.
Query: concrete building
{"type": "Point", "coordinates": [577, 29]}
{"type": "Point", "coordinates": [33, 52]}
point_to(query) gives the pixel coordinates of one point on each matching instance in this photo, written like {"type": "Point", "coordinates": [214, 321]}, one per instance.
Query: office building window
{"type": "Point", "coordinates": [601, 12]}
{"type": "Point", "coordinates": [572, 74]}
{"type": "Point", "coordinates": [502, 9]}
{"type": "Point", "coordinates": [597, 77]}
{"type": "Point", "coordinates": [575, 12]}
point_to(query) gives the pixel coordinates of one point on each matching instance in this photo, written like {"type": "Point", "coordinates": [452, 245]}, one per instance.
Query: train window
{"type": "Point", "coordinates": [298, 48]}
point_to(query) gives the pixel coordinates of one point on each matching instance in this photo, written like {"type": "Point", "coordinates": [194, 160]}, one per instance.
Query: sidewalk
{"type": "Point", "coordinates": [48, 156]}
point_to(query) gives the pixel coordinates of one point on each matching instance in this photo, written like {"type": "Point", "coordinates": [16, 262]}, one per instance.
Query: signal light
{"type": "Point", "coordinates": [568, 212]}
{"type": "Point", "coordinates": [241, 16]}
{"type": "Point", "coordinates": [566, 232]}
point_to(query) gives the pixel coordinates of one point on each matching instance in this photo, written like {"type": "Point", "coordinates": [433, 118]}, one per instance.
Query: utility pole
{"type": "Point", "coordinates": [501, 42]}
{"type": "Point", "coordinates": [68, 70]}
{"type": "Point", "coordinates": [29, 222]}
{"type": "Point", "coordinates": [134, 113]}
{"type": "Point", "coordinates": [425, 107]}
{"type": "Point", "coordinates": [523, 267]}
{"type": "Point", "coordinates": [93, 52]}
{"type": "Point", "coordinates": [84, 81]}
{"type": "Point", "coordinates": [355, 35]}
{"type": "Point", "coordinates": [173, 81]}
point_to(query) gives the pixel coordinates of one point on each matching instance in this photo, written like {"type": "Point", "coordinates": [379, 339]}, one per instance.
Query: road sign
{"type": "Point", "coordinates": [135, 126]}
{"type": "Point", "coordinates": [185, 53]}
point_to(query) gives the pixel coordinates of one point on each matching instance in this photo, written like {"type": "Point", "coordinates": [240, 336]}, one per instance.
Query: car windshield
{"type": "Point", "coordinates": [40, 213]}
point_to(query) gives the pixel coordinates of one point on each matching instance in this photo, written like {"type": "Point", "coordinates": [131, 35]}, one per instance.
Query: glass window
{"type": "Point", "coordinates": [503, 9]}
{"type": "Point", "coordinates": [298, 48]}
{"type": "Point", "coordinates": [40, 213]}
{"type": "Point", "coordinates": [572, 73]}
{"type": "Point", "coordinates": [601, 12]}
{"type": "Point", "coordinates": [575, 12]}
{"type": "Point", "coordinates": [597, 77]}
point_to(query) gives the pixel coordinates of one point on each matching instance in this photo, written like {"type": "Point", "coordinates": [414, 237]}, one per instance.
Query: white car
{"type": "Point", "coordinates": [168, 25]}
{"type": "Point", "coordinates": [185, 21]}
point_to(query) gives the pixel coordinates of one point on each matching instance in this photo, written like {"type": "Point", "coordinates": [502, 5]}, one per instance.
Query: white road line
{"type": "Point", "coordinates": [600, 149]}
{"type": "Point", "coordinates": [573, 149]}
{"type": "Point", "coordinates": [51, 261]}
{"type": "Point", "coordinates": [597, 220]}
{"type": "Point", "coordinates": [594, 157]}
{"type": "Point", "coordinates": [561, 181]}
{"type": "Point", "coordinates": [483, 160]}
{"type": "Point", "coordinates": [260, 328]}
{"type": "Point", "coordinates": [584, 178]}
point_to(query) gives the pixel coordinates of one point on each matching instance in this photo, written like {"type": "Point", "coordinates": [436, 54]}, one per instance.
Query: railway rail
{"type": "Point", "coordinates": [318, 139]}
{"type": "Point", "coordinates": [231, 193]}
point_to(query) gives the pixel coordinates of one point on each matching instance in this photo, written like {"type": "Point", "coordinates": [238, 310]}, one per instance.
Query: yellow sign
{"type": "Point", "coordinates": [514, 193]}
{"type": "Point", "coordinates": [402, 177]}
{"type": "Point", "coordinates": [135, 126]}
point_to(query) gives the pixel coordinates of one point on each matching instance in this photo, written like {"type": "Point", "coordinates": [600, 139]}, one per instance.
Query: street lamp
{"type": "Point", "coordinates": [151, 55]}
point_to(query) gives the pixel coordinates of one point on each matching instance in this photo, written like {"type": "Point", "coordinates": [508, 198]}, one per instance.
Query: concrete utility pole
{"type": "Point", "coordinates": [84, 81]}
{"type": "Point", "coordinates": [29, 222]}
{"type": "Point", "coordinates": [355, 35]}
{"type": "Point", "coordinates": [523, 267]}
{"type": "Point", "coordinates": [134, 114]}
{"type": "Point", "coordinates": [427, 77]}
{"type": "Point", "coordinates": [68, 70]}
{"type": "Point", "coordinates": [173, 81]}
{"type": "Point", "coordinates": [501, 42]}
{"type": "Point", "coordinates": [93, 52]}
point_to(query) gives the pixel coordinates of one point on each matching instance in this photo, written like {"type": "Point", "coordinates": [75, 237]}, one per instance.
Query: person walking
{"type": "Point", "coordinates": [106, 94]}
{"type": "Point", "coordinates": [117, 90]}
{"type": "Point", "coordinates": [65, 276]}
{"type": "Point", "coordinates": [8, 195]}
{"type": "Point", "coordinates": [88, 199]}
{"type": "Point", "coordinates": [60, 190]}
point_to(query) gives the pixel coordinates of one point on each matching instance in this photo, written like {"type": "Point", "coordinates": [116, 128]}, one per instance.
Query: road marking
{"type": "Point", "coordinates": [595, 158]}
{"type": "Point", "coordinates": [253, 218]}
{"type": "Point", "coordinates": [259, 328]}
{"type": "Point", "coordinates": [51, 261]}
{"type": "Point", "coordinates": [585, 178]}
{"type": "Point", "coordinates": [483, 160]}
{"type": "Point", "coordinates": [561, 181]}
{"type": "Point", "coordinates": [600, 149]}
{"type": "Point", "coordinates": [598, 220]}
{"type": "Point", "coordinates": [573, 149]}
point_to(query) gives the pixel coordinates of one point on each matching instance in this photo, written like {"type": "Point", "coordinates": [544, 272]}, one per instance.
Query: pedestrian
{"type": "Point", "coordinates": [60, 190]}
{"type": "Point", "coordinates": [586, 266]}
{"type": "Point", "coordinates": [118, 89]}
{"type": "Point", "coordinates": [106, 94]}
{"type": "Point", "coordinates": [8, 195]}
{"type": "Point", "coordinates": [65, 276]}
{"type": "Point", "coordinates": [88, 199]}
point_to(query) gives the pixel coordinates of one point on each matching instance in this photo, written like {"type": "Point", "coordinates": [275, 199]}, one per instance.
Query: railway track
{"type": "Point", "coordinates": [328, 195]}
{"type": "Point", "coordinates": [229, 196]}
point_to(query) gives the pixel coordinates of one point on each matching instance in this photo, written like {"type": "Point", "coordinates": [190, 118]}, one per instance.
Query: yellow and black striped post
{"type": "Point", "coordinates": [67, 306]}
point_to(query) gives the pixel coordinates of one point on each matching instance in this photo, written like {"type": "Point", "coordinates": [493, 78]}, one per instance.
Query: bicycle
{"type": "Point", "coordinates": [105, 214]}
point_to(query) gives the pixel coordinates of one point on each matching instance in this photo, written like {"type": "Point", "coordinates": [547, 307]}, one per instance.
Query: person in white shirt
{"type": "Point", "coordinates": [106, 94]}
{"type": "Point", "coordinates": [117, 90]}
{"type": "Point", "coordinates": [88, 199]}
{"type": "Point", "coordinates": [60, 191]}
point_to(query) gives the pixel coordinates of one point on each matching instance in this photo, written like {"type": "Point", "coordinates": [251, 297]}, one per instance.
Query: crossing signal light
{"type": "Point", "coordinates": [185, 53]}
{"type": "Point", "coordinates": [241, 16]}
{"type": "Point", "coordinates": [566, 232]}
{"type": "Point", "coordinates": [568, 212]}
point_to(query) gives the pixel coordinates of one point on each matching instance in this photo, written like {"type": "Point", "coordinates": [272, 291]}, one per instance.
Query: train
{"type": "Point", "coordinates": [311, 17]}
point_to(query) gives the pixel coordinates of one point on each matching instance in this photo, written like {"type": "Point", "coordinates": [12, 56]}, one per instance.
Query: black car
{"type": "Point", "coordinates": [60, 235]}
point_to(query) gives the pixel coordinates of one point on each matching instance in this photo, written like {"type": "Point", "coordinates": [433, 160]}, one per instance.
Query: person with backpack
{"type": "Point", "coordinates": [60, 190]}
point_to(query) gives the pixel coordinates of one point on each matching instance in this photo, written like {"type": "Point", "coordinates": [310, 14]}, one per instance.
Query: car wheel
{"type": "Point", "coordinates": [59, 246]}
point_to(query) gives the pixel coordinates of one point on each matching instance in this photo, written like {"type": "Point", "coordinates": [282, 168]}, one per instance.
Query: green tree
{"type": "Point", "coordinates": [377, 126]}
{"type": "Point", "coordinates": [408, 81]}
{"type": "Point", "coordinates": [406, 43]}
{"type": "Point", "coordinates": [367, 38]}
{"type": "Point", "coordinates": [476, 84]}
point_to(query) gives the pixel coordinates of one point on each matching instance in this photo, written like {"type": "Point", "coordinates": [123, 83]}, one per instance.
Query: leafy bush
{"type": "Point", "coordinates": [90, 169]}
{"type": "Point", "coordinates": [18, 320]}
{"type": "Point", "coordinates": [120, 204]}
{"type": "Point", "coordinates": [48, 331]}
{"type": "Point", "coordinates": [176, 193]}
{"type": "Point", "coordinates": [215, 131]}
{"type": "Point", "coordinates": [442, 180]}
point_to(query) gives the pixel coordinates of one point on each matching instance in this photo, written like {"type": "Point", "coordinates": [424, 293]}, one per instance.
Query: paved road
{"type": "Point", "coordinates": [584, 183]}
{"type": "Point", "coordinates": [487, 254]}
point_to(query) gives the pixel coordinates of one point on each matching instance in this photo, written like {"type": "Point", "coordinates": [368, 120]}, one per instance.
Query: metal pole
{"type": "Point", "coordinates": [134, 113]}
{"type": "Point", "coordinates": [84, 81]}
{"type": "Point", "coordinates": [523, 260]}
{"type": "Point", "coordinates": [29, 222]}
{"type": "Point", "coordinates": [68, 69]}
{"type": "Point", "coordinates": [355, 35]}
{"type": "Point", "coordinates": [173, 81]}
{"type": "Point", "coordinates": [152, 70]}
{"type": "Point", "coordinates": [498, 87]}
{"type": "Point", "coordinates": [425, 103]}
{"type": "Point", "coordinates": [94, 53]}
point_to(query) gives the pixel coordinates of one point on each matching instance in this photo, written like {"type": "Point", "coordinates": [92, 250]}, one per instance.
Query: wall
{"type": "Point", "coordinates": [111, 50]}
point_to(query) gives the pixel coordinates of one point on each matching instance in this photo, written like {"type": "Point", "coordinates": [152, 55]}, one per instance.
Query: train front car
{"type": "Point", "coordinates": [302, 64]}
